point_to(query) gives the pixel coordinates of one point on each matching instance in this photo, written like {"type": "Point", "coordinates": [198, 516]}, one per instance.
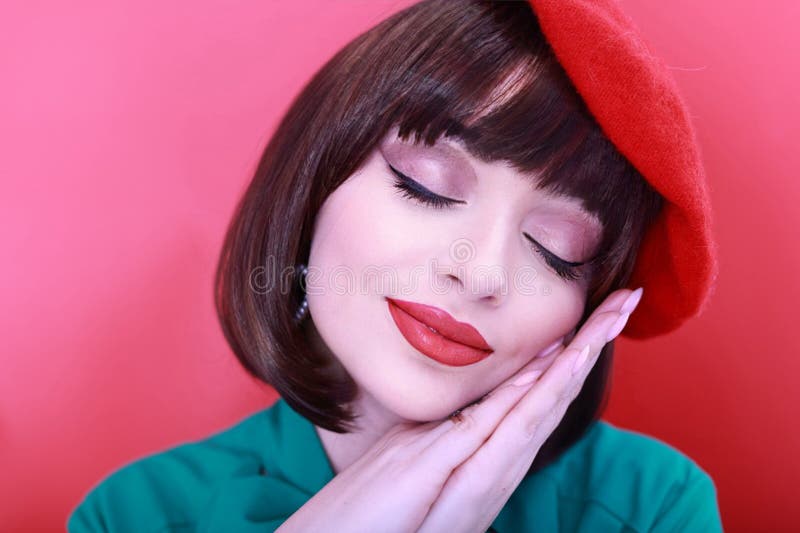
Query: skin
{"type": "Point", "coordinates": [458, 474]}
{"type": "Point", "coordinates": [405, 397]}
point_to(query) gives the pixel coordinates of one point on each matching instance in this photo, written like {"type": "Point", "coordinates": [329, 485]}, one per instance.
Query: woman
{"type": "Point", "coordinates": [451, 191]}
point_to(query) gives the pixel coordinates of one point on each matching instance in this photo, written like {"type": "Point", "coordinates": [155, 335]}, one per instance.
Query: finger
{"type": "Point", "coordinates": [605, 322]}
{"type": "Point", "coordinates": [509, 451]}
{"type": "Point", "coordinates": [542, 406]}
{"type": "Point", "coordinates": [431, 431]}
{"type": "Point", "coordinates": [583, 362]}
{"type": "Point", "coordinates": [420, 436]}
{"type": "Point", "coordinates": [458, 437]}
{"type": "Point", "coordinates": [448, 448]}
{"type": "Point", "coordinates": [622, 300]}
{"type": "Point", "coordinates": [564, 378]}
{"type": "Point", "coordinates": [504, 458]}
{"type": "Point", "coordinates": [480, 486]}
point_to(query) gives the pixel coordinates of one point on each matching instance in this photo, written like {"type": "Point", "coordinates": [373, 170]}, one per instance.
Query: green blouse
{"type": "Point", "coordinates": [253, 475]}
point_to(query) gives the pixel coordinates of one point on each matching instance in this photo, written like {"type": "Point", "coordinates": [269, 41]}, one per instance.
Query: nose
{"type": "Point", "coordinates": [477, 266]}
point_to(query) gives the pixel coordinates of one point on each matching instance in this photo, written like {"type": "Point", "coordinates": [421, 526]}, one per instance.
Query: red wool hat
{"type": "Point", "coordinates": [635, 100]}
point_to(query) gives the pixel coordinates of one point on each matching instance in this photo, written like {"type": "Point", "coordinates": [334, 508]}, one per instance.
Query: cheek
{"type": "Point", "coordinates": [347, 234]}
{"type": "Point", "coordinates": [355, 235]}
{"type": "Point", "coordinates": [340, 228]}
{"type": "Point", "coordinates": [364, 228]}
{"type": "Point", "coordinates": [540, 318]}
{"type": "Point", "coordinates": [341, 246]}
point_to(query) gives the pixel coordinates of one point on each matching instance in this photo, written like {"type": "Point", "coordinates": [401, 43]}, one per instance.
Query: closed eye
{"type": "Point", "coordinates": [412, 189]}
{"type": "Point", "coordinates": [565, 269]}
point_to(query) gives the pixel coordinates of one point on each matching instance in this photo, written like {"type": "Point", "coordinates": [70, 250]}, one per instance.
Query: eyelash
{"type": "Point", "coordinates": [413, 190]}
{"type": "Point", "coordinates": [565, 269]}
{"type": "Point", "coordinates": [409, 188]}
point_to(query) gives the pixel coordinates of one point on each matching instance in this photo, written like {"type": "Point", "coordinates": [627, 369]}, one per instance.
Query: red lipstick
{"type": "Point", "coordinates": [438, 335]}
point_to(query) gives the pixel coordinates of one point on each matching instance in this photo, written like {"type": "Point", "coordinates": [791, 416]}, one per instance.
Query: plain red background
{"type": "Point", "coordinates": [129, 131]}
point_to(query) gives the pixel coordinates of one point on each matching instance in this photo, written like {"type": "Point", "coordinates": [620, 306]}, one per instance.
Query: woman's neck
{"type": "Point", "coordinates": [374, 420]}
{"type": "Point", "coordinates": [343, 449]}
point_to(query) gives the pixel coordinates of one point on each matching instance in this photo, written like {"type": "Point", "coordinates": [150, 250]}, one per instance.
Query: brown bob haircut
{"type": "Point", "coordinates": [432, 70]}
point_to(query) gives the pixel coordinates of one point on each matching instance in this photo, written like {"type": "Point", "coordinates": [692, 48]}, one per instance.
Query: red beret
{"type": "Point", "coordinates": [635, 100]}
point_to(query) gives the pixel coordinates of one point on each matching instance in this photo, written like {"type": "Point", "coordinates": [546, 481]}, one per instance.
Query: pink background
{"type": "Point", "coordinates": [127, 134]}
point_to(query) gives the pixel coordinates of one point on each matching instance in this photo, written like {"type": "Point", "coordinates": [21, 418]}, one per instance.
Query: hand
{"type": "Point", "coordinates": [456, 475]}
{"type": "Point", "coordinates": [479, 487]}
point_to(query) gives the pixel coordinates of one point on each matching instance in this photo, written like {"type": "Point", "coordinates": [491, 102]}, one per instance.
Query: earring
{"type": "Point", "coordinates": [301, 270]}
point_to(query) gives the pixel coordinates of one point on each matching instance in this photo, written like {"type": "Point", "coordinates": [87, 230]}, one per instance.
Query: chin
{"type": "Point", "coordinates": [420, 407]}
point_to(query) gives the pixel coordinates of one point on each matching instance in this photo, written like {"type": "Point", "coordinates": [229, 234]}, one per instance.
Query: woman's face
{"type": "Point", "coordinates": [473, 260]}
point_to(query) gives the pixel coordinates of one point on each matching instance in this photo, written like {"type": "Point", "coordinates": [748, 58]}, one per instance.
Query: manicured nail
{"type": "Point", "coordinates": [550, 349]}
{"type": "Point", "coordinates": [527, 378]}
{"type": "Point", "coordinates": [580, 360]}
{"type": "Point", "coordinates": [617, 327]}
{"type": "Point", "coordinates": [632, 301]}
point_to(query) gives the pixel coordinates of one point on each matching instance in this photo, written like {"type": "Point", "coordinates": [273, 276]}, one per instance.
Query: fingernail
{"type": "Point", "coordinates": [527, 378]}
{"type": "Point", "coordinates": [632, 301]}
{"type": "Point", "coordinates": [617, 327]}
{"type": "Point", "coordinates": [550, 349]}
{"type": "Point", "coordinates": [580, 360]}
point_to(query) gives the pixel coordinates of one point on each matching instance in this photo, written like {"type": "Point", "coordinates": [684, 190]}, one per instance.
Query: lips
{"type": "Point", "coordinates": [438, 335]}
